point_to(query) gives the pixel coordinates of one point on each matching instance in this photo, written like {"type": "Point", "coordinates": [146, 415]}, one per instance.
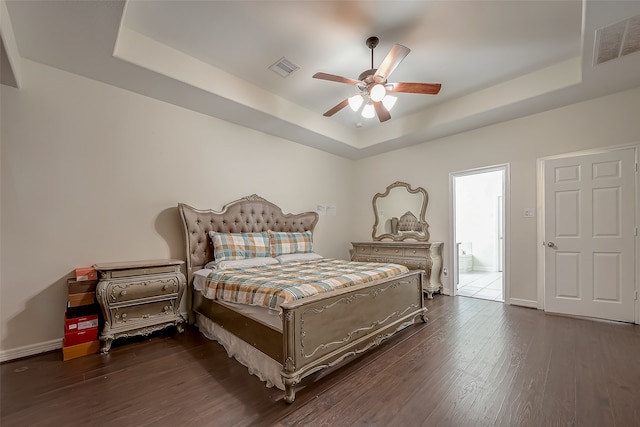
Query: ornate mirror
{"type": "Point", "coordinates": [400, 213]}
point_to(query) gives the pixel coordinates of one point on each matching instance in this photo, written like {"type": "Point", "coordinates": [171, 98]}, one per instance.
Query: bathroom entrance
{"type": "Point", "coordinates": [479, 203]}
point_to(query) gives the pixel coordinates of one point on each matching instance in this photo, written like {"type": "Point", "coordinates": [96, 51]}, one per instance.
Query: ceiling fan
{"type": "Point", "coordinates": [373, 85]}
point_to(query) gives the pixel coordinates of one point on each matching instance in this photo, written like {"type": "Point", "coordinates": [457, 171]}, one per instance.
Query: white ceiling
{"type": "Point", "coordinates": [496, 60]}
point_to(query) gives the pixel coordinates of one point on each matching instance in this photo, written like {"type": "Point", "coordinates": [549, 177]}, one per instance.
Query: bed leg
{"type": "Point", "coordinates": [290, 388]}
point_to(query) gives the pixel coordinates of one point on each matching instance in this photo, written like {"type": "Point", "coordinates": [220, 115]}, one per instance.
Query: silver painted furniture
{"type": "Point", "coordinates": [317, 332]}
{"type": "Point", "coordinates": [139, 298]}
{"type": "Point", "coordinates": [425, 256]}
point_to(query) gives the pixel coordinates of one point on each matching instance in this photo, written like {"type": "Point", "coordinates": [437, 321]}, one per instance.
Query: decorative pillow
{"type": "Point", "coordinates": [290, 243]}
{"type": "Point", "coordinates": [234, 246]}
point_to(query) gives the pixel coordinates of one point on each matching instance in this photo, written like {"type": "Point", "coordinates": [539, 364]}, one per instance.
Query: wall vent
{"type": "Point", "coordinates": [283, 67]}
{"type": "Point", "coordinates": [616, 40]}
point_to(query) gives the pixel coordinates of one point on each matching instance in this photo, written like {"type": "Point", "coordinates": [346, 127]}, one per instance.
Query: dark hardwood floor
{"type": "Point", "coordinates": [476, 363]}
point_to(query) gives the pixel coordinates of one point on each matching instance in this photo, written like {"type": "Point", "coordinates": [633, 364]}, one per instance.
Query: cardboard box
{"type": "Point", "coordinates": [86, 273]}
{"type": "Point", "coordinates": [80, 337]}
{"type": "Point", "coordinates": [72, 324]}
{"type": "Point", "coordinates": [82, 310]}
{"type": "Point", "coordinates": [73, 351]}
{"type": "Point", "coordinates": [85, 298]}
{"type": "Point", "coordinates": [82, 286]}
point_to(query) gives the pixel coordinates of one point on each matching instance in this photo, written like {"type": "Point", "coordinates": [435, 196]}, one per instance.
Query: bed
{"type": "Point", "coordinates": [293, 338]}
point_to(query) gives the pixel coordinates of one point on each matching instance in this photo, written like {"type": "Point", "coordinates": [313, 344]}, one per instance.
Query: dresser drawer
{"type": "Point", "coordinates": [386, 251]}
{"type": "Point", "coordinates": [411, 264]}
{"type": "Point", "coordinates": [370, 259]}
{"type": "Point", "coordinates": [143, 288]}
{"type": "Point", "coordinates": [134, 313]}
{"type": "Point", "coordinates": [363, 250]}
{"type": "Point", "coordinates": [416, 252]}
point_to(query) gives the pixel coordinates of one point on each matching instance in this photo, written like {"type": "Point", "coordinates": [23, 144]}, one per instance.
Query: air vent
{"type": "Point", "coordinates": [619, 39]}
{"type": "Point", "coordinates": [283, 67]}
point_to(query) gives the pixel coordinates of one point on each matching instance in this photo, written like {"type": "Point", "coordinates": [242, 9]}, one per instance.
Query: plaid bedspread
{"type": "Point", "coordinates": [272, 285]}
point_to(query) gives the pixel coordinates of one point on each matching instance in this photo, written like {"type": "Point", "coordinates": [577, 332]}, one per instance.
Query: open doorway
{"type": "Point", "coordinates": [478, 204]}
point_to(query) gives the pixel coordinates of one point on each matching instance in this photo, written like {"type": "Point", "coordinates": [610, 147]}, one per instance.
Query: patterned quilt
{"type": "Point", "coordinates": [272, 285]}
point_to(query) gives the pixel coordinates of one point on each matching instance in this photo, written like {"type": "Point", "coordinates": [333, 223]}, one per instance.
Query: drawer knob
{"type": "Point", "coordinates": [397, 251]}
{"type": "Point", "coordinates": [165, 308]}
{"type": "Point", "coordinates": [165, 287]}
{"type": "Point", "coordinates": [124, 315]}
{"type": "Point", "coordinates": [145, 316]}
{"type": "Point", "coordinates": [414, 251]}
{"type": "Point", "coordinates": [123, 292]}
{"type": "Point", "coordinates": [376, 249]}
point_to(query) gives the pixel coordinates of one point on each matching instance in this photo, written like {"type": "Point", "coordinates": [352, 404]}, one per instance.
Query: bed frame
{"type": "Point", "coordinates": [317, 332]}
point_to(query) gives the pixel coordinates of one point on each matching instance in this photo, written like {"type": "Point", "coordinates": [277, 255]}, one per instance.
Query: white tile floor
{"type": "Point", "coordinates": [481, 284]}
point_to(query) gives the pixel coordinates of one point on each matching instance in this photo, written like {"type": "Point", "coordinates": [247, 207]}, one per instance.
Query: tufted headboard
{"type": "Point", "coordinates": [247, 215]}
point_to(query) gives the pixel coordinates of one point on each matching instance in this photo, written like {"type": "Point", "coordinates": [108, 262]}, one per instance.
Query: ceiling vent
{"type": "Point", "coordinates": [283, 67]}
{"type": "Point", "coordinates": [619, 39]}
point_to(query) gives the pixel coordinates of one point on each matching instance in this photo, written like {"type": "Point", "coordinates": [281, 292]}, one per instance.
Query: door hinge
{"type": "Point", "coordinates": [635, 298]}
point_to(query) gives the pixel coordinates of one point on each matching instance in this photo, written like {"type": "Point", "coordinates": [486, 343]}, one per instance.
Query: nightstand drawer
{"type": "Point", "coordinates": [121, 291]}
{"type": "Point", "coordinates": [142, 271]}
{"type": "Point", "coordinates": [135, 313]}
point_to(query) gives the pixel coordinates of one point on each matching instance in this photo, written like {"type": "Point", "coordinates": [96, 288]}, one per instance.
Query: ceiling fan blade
{"type": "Point", "coordinates": [334, 78]}
{"type": "Point", "coordinates": [381, 111]}
{"type": "Point", "coordinates": [424, 88]}
{"type": "Point", "coordinates": [337, 108]}
{"type": "Point", "coordinates": [393, 58]}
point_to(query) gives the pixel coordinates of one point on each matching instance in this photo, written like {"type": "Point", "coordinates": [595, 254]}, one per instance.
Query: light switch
{"type": "Point", "coordinates": [529, 213]}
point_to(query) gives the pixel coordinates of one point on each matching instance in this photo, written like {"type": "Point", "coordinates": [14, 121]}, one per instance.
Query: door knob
{"type": "Point", "coordinates": [551, 244]}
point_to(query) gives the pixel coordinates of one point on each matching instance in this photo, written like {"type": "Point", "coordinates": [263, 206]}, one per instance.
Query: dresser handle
{"type": "Point", "coordinates": [123, 292]}
{"type": "Point", "coordinates": [145, 316]}
{"type": "Point", "coordinates": [165, 287]}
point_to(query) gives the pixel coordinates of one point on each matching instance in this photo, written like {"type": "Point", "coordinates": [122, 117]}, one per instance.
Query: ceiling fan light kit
{"type": "Point", "coordinates": [373, 86]}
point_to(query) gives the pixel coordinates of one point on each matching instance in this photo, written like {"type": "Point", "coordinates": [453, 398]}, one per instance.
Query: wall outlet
{"type": "Point", "coordinates": [445, 272]}
{"type": "Point", "coordinates": [529, 213]}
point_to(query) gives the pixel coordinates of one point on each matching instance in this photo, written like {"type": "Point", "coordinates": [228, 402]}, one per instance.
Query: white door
{"type": "Point", "coordinates": [590, 235]}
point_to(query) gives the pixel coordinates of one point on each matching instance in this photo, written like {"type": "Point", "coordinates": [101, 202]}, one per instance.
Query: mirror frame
{"type": "Point", "coordinates": [424, 235]}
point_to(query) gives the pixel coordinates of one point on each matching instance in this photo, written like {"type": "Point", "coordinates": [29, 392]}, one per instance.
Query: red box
{"type": "Point", "coordinates": [73, 324]}
{"type": "Point", "coordinates": [80, 337]}
{"type": "Point", "coordinates": [86, 273]}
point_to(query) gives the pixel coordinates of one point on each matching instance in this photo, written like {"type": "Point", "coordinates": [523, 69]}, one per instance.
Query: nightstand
{"type": "Point", "coordinates": [139, 298]}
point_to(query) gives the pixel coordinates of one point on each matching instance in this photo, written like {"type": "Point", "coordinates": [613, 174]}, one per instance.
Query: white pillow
{"type": "Point", "coordinates": [241, 263]}
{"type": "Point", "coordinates": [298, 257]}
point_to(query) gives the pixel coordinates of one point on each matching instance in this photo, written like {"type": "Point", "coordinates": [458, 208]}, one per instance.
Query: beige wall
{"type": "Point", "coordinates": [92, 173]}
{"type": "Point", "coordinates": [608, 121]}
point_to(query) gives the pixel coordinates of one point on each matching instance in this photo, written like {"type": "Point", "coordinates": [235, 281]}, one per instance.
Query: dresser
{"type": "Point", "coordinates": [425, 256]}
{"type": "Point", "coordinates": [139, 298]}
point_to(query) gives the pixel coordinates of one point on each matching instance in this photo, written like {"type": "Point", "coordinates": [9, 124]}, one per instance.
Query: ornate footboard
{"type": "Point", "coordinates": [321, 331]}
{"type": "Point", "coordinates": [317, 332]}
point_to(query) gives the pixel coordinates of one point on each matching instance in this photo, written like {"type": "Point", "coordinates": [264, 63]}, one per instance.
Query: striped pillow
{"type": "Point", "coordinates": [235, 246]}
{"type": "Point", "coordinates": [290, 243]}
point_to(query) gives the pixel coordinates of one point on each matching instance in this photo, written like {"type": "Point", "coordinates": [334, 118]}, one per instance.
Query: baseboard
{"type": "Point", "coordinates": [30, 350]}
{"type": "Point", "coordinates": [523, 302]}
